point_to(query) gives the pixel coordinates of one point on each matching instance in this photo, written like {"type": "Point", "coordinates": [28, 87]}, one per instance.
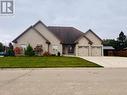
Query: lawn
{"type": "Point", "coordinates": [44, 62]}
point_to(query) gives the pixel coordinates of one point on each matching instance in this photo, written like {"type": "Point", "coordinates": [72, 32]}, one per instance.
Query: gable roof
{"type": "Point", "coordinates": [94, 34]}
{"type": "Point", "coordinates": [15, 40]}
{"type": "Point", "coordinates": [31, 27]}
{"type": "Point", "coordinates": [47, 41]}
{"type": "Point", "coordinates": [90, 42]}
{"type": "Point", "coordinates": [67, 35]}
{"type": "Point", "coordinates": [40, 22]}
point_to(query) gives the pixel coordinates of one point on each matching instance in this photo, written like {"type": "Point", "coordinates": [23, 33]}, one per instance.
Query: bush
{"type": "Point", "coordinates": [38, 50]}
{"type": "Point", "coordinates": [1, 47]}
{"type": "Point", "coordinates": [10, 52]}
{"type": "Point", "coordinates": [46, 53]}
{"type": "Point", "coordinates": [17, 50]}
{"type": "Point", "coordinates": [29, 51]}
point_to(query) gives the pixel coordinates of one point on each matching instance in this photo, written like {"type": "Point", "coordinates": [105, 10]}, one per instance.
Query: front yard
{"type": "Point", "coordinates": [44, 62]}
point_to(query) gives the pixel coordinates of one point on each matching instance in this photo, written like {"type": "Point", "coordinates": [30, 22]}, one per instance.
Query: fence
{"type": "Point", "coordinates": [122, 53]}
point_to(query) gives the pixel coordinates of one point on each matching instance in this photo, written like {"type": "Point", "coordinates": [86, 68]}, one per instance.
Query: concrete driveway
{"type": "Point", "coordinates": [76, 81]}
{"type": "Point", "coordinates": [109, 62]}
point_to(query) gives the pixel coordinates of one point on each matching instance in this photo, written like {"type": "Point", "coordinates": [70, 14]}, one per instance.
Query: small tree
{"type": "Point", "coordinates": [29, 51]}
{"type": "Point", "coordinates": [122, 37]}
{"type": "Point", "coordinates": [118, 44]}
{"type": "Point", "coordinates": [10, 50]}
{"type": "Point", "coordinates": [121, 41]}
{"type": "Point", "coordinates": [1, 47]}
{"type": "Point", "coordinates": [11, 46]}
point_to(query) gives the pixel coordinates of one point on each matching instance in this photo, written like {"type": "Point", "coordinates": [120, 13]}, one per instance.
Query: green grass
{"type": "Point", "coordinates": [44, 62]}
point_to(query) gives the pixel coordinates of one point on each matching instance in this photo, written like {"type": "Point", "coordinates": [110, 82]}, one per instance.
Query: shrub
{"type": "Point", "coordinates": [38, 50]}
{"type": "Point", "coordinates": [10, 52]}
{"type": "Point", "coordinates": [29, 51]}
{"type": "Point", "coordinates": [1, 47]}
{"type": "Point", "coordinates": [17, 50]}
{"type": "Point", "coordinates": [46, 53]}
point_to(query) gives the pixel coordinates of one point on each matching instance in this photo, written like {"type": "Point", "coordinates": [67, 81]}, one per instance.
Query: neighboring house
{"type": "Point", "coordinates": [66, 40]}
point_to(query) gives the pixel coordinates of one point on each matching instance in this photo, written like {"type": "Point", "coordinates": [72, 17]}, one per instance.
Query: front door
{"type": "Point", "coordinates": [68, 49]}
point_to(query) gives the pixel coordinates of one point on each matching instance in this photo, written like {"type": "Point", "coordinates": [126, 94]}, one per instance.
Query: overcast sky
{"type": "Point", "coordinates": [105, 17]}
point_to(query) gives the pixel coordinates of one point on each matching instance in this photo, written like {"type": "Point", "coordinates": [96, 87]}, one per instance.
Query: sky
{"type": "Point", "coordinates": [107, 18]}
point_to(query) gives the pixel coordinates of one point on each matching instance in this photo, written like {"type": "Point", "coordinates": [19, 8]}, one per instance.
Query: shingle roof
{"type": "Point", "coordinates": [67, 35]}
{"type": "Point", "coordinates": [31, 27]}
{"type": "Point", "coordinates": [15, 40]}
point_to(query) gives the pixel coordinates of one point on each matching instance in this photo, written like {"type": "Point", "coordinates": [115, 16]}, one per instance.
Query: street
{"type": "Point", "coordinates": [63, 81]}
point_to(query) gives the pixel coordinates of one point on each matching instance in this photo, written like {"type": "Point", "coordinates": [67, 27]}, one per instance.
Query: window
{"type": "Point", "coordinates": [23, 46]}
{"type": "Point", "coordinates": [55, 49]}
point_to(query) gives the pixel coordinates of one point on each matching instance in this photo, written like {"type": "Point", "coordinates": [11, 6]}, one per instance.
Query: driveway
{"type": "Point", "coordinates": [76, 81]}
{"type": "Point", "coordinates": [109, 62]}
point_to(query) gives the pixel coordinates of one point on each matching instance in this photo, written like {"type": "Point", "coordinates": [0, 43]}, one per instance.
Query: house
{"type": "Point", "coordinates": [66, 40]}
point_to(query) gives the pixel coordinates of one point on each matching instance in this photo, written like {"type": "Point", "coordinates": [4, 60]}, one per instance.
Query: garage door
{"type": "Point", "coordinates": [83, 50]}
{"type": "Point", "coordinates": [96, 51]}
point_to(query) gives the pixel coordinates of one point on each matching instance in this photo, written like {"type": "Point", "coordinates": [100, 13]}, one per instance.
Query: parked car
{"type": "Point", "coordinates": [2, 54]}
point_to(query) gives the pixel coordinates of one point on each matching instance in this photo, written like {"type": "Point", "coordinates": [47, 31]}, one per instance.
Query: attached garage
{"type": "Point", "coordinates": [89, 44]}
{"type": "Point", "coordinates": [96, 50]}
{"type": "Point", "coordinates": [89, 51]}
{"type": "Point", "coordinates": [83, 50]}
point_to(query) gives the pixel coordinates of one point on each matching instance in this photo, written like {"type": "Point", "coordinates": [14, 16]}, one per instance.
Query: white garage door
{"type": "Point", "coordinates": [96, 51]}
{"type": "Point", "coordinates": [83, 50]}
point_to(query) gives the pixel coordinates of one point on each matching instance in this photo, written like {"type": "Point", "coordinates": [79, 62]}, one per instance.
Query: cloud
{"type": "Point", "coordinates": [106, 17]}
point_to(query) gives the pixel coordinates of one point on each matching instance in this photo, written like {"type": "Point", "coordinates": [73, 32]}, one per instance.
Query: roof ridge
{"type": "Point", "coordinates": [60, 26]}
{"type": "Point", "coordinates": [46, 28]}
{"type": "Point", "coordinates": [90, 42]}
{"type": "Point", "coordinates": [15, 40]}
{"type": "Point", "coordinates": [41, 35]}
{"type": "Point", "coordinates": [94, 34]}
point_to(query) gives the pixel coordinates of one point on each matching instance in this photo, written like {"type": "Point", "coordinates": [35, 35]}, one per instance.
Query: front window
{"type": "Point", "coordinates": [24, 46]}
{"type": "Point", "coordinates": [55, 49]}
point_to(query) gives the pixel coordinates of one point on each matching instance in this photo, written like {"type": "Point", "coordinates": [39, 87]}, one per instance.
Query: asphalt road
{"type": "Point", "coordinates": [80, 81]}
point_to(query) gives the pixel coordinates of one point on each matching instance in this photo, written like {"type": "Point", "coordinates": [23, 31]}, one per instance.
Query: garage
{"type": "Point", "coordinates": [83, 51]}
{"type": "Point", "coordinates": [96, 50]}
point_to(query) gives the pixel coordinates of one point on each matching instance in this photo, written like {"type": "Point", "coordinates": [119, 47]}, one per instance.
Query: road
{"type": "Point", "coordinates": [78, 81]}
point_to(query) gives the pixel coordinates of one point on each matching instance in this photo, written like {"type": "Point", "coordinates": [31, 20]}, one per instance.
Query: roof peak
{"type": "Point", "coordinates": [60, 26]}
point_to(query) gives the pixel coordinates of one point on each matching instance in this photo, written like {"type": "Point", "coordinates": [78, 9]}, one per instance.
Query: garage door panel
{"type": "Point", "coordinates": [83, 50]}
{"type": "Point", "coordinates": [96, 51]}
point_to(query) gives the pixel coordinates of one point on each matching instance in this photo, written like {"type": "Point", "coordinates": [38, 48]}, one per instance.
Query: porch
{"type": "Point", "coordinates": [68, 49]}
